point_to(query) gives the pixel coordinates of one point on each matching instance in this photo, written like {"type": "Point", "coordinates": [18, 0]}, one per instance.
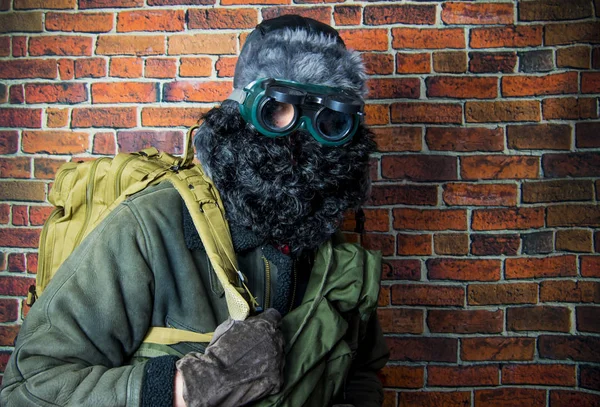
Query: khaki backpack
{"type": "Point", "coordinates": [85, 192]}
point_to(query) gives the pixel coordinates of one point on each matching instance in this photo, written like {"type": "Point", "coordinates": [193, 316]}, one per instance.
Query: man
{"type": "Point", "coordinates": [289, 156]}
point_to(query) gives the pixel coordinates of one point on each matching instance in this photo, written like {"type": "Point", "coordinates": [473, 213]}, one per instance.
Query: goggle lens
{"type": "Point", "coordinates": [278, 116]}
{"type": "Point", "coordinates": [334, 125]}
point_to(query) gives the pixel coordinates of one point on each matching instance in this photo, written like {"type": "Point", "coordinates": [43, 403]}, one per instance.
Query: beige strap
{"type": "Point", "coordinates": [171, 336]}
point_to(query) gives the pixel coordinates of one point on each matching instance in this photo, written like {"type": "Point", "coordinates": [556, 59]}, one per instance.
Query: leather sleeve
{"type": "Point", "coordinates": [363, 387]}
{"type": "Point", "coordinates": [74, 346]}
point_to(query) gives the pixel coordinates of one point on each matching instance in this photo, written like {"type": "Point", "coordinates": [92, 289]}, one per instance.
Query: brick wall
{"type": "Point", "coordinates": [486, 183]}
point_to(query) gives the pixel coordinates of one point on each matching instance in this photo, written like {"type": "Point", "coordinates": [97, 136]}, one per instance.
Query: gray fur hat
{"type": "Point", "coordinates": [299, 49]}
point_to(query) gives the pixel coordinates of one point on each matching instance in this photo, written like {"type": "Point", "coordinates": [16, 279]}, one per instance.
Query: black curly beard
{"type": "Point", "coordinates": [288, 190]}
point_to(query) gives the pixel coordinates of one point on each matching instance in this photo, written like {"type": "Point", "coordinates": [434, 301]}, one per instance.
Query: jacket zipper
{"type": "Point", "coordinates": [267, 300]}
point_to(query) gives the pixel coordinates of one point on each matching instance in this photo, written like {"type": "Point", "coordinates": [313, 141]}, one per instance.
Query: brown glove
{"type": "Point", "coordinates": [243, 363]}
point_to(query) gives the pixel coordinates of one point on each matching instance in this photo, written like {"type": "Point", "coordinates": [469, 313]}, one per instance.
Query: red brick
{"type": "Point", "coordinates": [16, 261]}
{"type": "Point", "coordinates": [554, 84]}
{"type": "Point", "coordinates": [491, 62]}
{"type": "Point", "coordinates": [37, 216]}
{"type": "Point", "coordinates": [429, 219]}
{"type": "Point", "coordinates": [28, 68]}
{"type": "Point", "coordinates": [462, 139]}
{"type": "Point", "coordinates": [596, 58]}
{"type": "Point", "coordinates": [539, 318]}
{"type": "Point", "coordinates": [104, 143]}
{"type": "Point", "coordinates": [392, 194]}
{"type": "Point", "coordinates": [17, 237]}
{"type": "Point", "coordinates": [195, 67]}
{"type": "Point", "coordinates": [574, 240]}
{"type": "Point", "coordinates": [465, 322]}
{"type": "Point", "coordinates": [151, 20]}
{"type": "Point", "coordinates": [569, 291]}
{"type": "Point", "coordinates": [399, 14]}
{"type": "Point", "coordinates": [184, 2]}
{"type": "Point", "coordinates": [9, 142]}
{"type": "Point", "coordinates": [171, 116]}
{"type": "Point", "coordinates": [32, 266]}
{"type": "Point", "coordinates": [377, 220]}
{"type": "Point", "coordinates": [499, 167]}
{"type": "Point", "coordinates": [451, 244]}
{"type": "Point", "coordinates": [590, 265]}
{"type": "Point", "coordinates": [60, 45]}
{"type": "Point", "coordinates": [587, 135]}
{"type": "Point", "coordinates": [589, 377]}
{"type": "Point", "coordinates": [450, 61]}
{"type": "Point", "coordinates": [569, 347]}
{"type": "Point", "coordinates": [497, 348]}
{"type": "Point", "coordinates": [569, 398]}
{"type": "Point", "coordinates": [428, 294]}
{"type": "Point", "coordinates": [419, 167]}
{"type": "Point", "coordinates": [408, 377]}
{"type": "Point", "coordinates": [15, 167]}
{"type": "Point", "coordinates": [113, 117]}
{"type": "Point", "coordinates": [499, 294]}
{"type": "Point", "coordinates": [571, 33]}
{"type": "Point", "coordinates": [401, 270]}
{"type": "Point", "coordinates": [5, 46]}
{"type": "Point", "coordinates": [165, 140]}
{"type": "Point", "coordinates": [365, 39]}
{"type": "Point", "coordinates": [55, 93]}
{"type": "Point", "coordinates": [322, 14]}
{"type": "Point", "coordinates": [412, 62]}
{"type": "Point", "coordinates": [571, 165]}
{"type": "Point", "coordinates": [15, 117]}
{"type": "Point", "coordinates": [539, 374]}
{"type": "Point", "coordinates": [90, 68]}
{"type": "Point", "coordinates": [502, 111]}
{"type": "Point", "coordinates": [56, 117]}
{"type": "Point", "coordinates": [507, 218]}
{"type": "Point", "coordinates": [4, 220]}
{"type": "Point", "coordinates": [66, 69]}
{"type": "Point", "coordinates": [124, 92]}
{"type": "Point", "coordinates": [377, 114]}
{"type": "Point", "coordinates": [79, 22]}
{"type": "Point", "coordinates": [85, 4]}
{"type": "Point", "coordinates": [569, 108]}
{"type": "Point", "coordinates": [225, 67]}
{"type": "Point", "coordinates": [401, 320]}
{"type": "Point", "coordinates": [35, 4]}
{"type": "Point", "coordinates": [554, 266]}
{"type": "Point", "coordinates": [9, 310]}
{"type": "Point", "coordinates": [130, 45]}
{"type": "Point", "coordinates": [16, 94]}
{"type": "Point", "coordinates": [390, 88]}
{"type": "Point", "coordinates": [22, 191]}
{"type": "Point", "coordinates": [463, 269]}
{"type": "Point", "coordinates": [188, 91]}
{"type": "Point", "coordinates": [8, 334]}
{"type": "Point", "coordinates": [398, 138]}
{"type": "Point", "coordinates": [588, 319]}
{"type": "Point", "coordinates": [347, 15]}
{"type": "Point", "coordinates": [21, 22]}
{"type": "Point", "coordinates": [425, 349]}
{"type": "Point", "coordinates": [462, 87]}
{"type": "Point", "coordinates": [423, 112]}
{"type": "Point", "coordinates": [480, 194]}
{"type": "Point", "coordinates": [477, 13]}
{"type": "Point", "coordinates": [45, 168]}
{"type": "Point", "coordinates": [556, 191]}
{"type": "Point", "coordinates": [553, 10]}
{"type": "Point", "coordinates": [378, 241]}
{"type": "Point", "coordinates": [246, 2]}
{"type": "Point", "coordinates": [574, 57]}
{"type": "Point", "coordinates": [428, 38]}
{"type": "Point", "coordinates": [161, 68]}
{"type": "Point", "coordinates": [507, 36]}
{"type": "Point", "coordinates": [590, 82]}
{"type": "Point", "coordinates": [510, 397]}
{"type": "Point", "coordinates": [235, 18]}
{"type": "Point", "coordinates": [410, 245]}
{"type": "Point", "coordinates": [19, 46]}
{"type": "Point", "coordinates": [539, 137]}
{"type": "Point", "coordinates": [55, 142]}
{"type": "Point", "coordinates": [129, 67]}
{"type": "Point", "coordinates": [494, 245]}
{"type": "Point", "coordinates": [435, 399]}
{"type": "Point", "coordinates": [462, 376]}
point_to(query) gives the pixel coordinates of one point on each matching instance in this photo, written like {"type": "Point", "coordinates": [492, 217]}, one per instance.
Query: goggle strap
{"type": "Point", "coordinates": [238, 95]}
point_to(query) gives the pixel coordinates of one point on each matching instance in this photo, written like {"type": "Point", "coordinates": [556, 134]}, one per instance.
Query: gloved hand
{"type": "Point", "coordinates": [243, 363]}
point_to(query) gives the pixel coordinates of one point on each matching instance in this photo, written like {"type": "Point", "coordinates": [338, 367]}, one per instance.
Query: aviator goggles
{"type": "Point", "coordinates": [277, 107]}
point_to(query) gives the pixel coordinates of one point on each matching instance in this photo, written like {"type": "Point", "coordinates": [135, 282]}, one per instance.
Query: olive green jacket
{"type": "Point", "coordinates": [134, 271]}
